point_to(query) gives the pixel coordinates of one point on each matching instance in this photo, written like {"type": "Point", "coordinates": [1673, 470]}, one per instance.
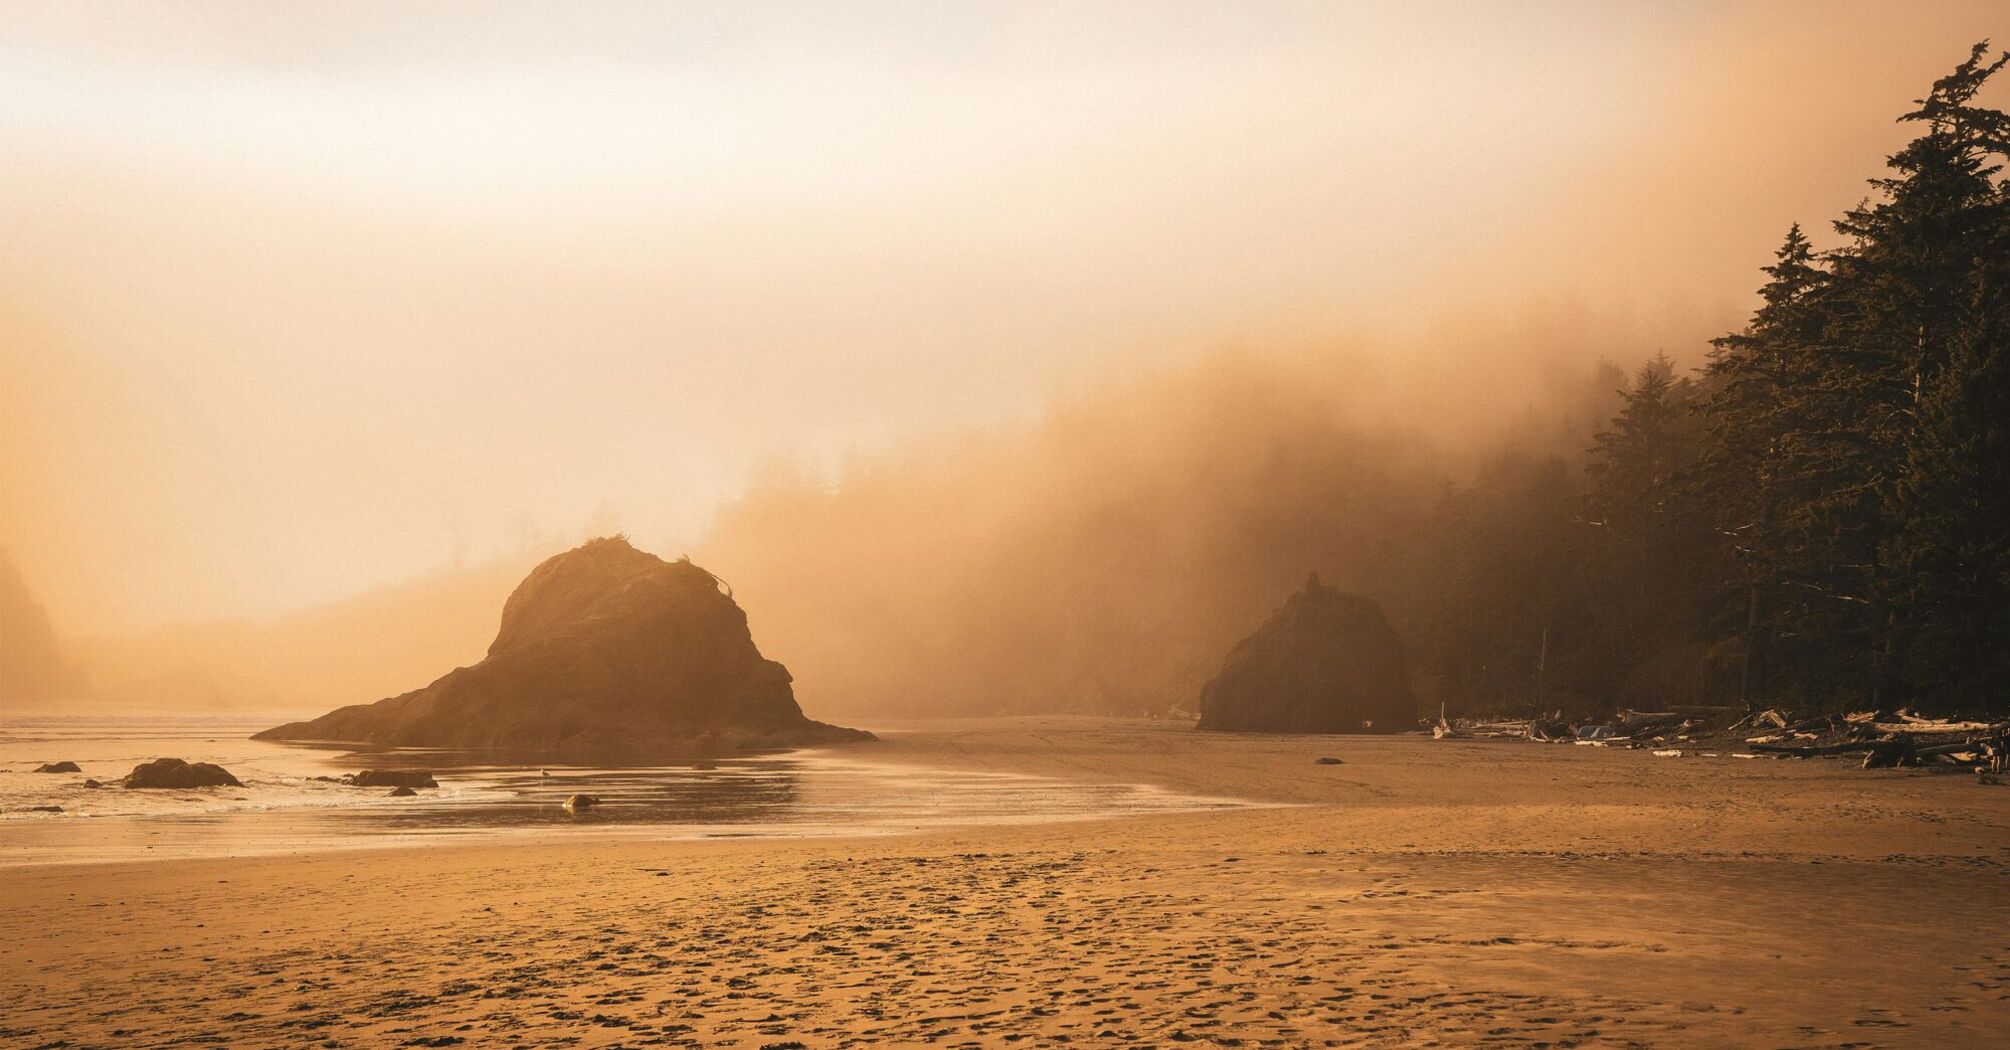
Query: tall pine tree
{"type": "Point", "coordinates": [1858, 458]}
{"type": "Point", "coordinates": [1936, 258]}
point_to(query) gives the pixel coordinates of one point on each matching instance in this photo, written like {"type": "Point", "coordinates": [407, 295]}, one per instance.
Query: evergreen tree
{"type": "Point", "coordinates": [1821, 516]}
{"type": "Point", "coordinates": [1754, 407]}
{"type": "Point", "coordinates": [1634, 463]}
{"type": "Point", "coordinates": [1936, 263]}
{"type": "Point", "coordinates": [1662, 565]}
{"type": "Point", "coordinates": [1856, 455]}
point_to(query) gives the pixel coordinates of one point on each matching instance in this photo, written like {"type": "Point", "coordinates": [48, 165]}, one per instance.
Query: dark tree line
{"type": "Point", "coordinates": [1818, 516]}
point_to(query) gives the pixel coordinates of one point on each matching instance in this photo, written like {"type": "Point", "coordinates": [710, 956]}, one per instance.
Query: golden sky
{"type": "Point", "coordinates": [297, 299]}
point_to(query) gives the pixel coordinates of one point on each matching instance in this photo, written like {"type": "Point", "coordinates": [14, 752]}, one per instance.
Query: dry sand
{"type": "Point", "coordinates": [1419, 894]}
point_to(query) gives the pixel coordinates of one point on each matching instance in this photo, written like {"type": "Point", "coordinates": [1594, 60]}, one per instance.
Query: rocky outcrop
{"type": "Point", "coordinates": [31, 664]}
{"type": "Point", "coordinates": [58, 767]}
{"type": "Point", "coordinates": [1325, 662]}
{"type": "Point", "coordinates": [402, 791]}
{"type": "Point", "coordinates": [175, 773]}
{"type": "Point", "coordinates": [604, 651]}
{"type": "Point", "coordinates": [405, 778]}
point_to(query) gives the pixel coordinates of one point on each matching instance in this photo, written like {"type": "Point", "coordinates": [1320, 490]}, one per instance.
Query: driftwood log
{"type": "Point", "coordinates": [1815, 750]}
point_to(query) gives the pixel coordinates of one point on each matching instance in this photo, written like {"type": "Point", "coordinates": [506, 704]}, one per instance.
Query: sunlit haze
{"type": "Point", "coordinates": [300, 300]}
{"type": "Point", "coordinates": [825, 526]}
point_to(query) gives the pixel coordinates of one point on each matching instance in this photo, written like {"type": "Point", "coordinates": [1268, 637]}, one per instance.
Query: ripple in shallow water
{"type": "Point", "coordinates": [283, 809]}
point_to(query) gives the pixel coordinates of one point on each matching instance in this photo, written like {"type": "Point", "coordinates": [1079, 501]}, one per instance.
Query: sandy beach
{"type": "Point", "coordinates": [1419, 893]}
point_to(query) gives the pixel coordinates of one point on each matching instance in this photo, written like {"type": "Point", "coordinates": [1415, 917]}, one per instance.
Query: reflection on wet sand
{"type": "Point", "coordinates": [760, 791]}
{"type": "Point", "coordinates": [293, 801]}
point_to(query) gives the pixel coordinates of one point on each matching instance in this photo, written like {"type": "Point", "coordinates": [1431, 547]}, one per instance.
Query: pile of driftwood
{"type": "Point", "coordinates": [1883, 739]}
{"type": "Point", "coordinates": [1886, 740]}
{"type": "Point", "coordinates": [1628, 728]}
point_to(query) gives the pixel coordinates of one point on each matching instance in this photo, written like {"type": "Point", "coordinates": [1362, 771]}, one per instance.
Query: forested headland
{"type": "Point", "coordinates": [1817, 516]}
{"type": "Point", "coordinates": [1826, 504]}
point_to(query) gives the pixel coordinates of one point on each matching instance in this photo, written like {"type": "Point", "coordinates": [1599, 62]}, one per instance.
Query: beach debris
{"type": "Point", "coordinates": [58, 767]}
{"type": "Point", "coordinates": [575, 803]}
{"type": "Point", "coordinates": [1463, 728]}
{"type": "Point", "coordinates": [1883, 739]}
{"type": "Point", "coordinates": [1908, 723]}
{"type": "Point", "coordinates": [1550, 730]}
{"type": "Point", "coordinates": [1326, 760]}
{"type": "Point", "coordinates": [177, 773]}
{"type": "Point", "coordinates": [405, 778]}
{"type": "Point", "coordinates": [402, 791]}
{"type": "Point", "coordinates": [1895, 740]}
{"type": "Point", "coordinates": [1889, 752]}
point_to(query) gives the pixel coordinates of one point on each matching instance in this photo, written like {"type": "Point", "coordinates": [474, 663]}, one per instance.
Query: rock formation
{"type": "Point", "coordinates": [31, 665]}
{"type": "Point", "coordinates": [175, 773]}
{"type": "Point", "coordinates": [1325, 662]}
{"type": "Point", "coordinates": [58, 767]}
{"type": "Point", "coordinates": [378, 778]}
{"type": "Point", "coordinates": [604, 651]}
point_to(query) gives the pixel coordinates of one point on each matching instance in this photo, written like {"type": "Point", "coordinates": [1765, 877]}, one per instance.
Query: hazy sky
{"type": "Point", "coordinates": [296, 299]}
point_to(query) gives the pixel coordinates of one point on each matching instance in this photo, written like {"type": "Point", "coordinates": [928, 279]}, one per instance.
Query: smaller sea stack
{"type": "Point", "coordinates": [1325, 662]}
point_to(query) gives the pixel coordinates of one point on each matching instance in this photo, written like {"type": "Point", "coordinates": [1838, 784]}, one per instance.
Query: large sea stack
{"type": "Point", "coordinates": [1325, 662]}
{"type": "Point", "coordinates": [604, 651]}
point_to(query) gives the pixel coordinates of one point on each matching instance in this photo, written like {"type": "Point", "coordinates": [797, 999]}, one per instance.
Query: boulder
{"type": "Point", "coordinates": [604, 651]}
{"type": "Point", "coordinates": [175, 773]}
{"type": "Point", "coordinates": [45, 809]}
{"type": "Point", "coordinates": [92, 784]}
{"type": "Point", "coordinates": [58, 767]}
{"type": "Point", "coordinates": [1325, 662]}
{"type": "Point", "coordinates": [403, 791]}
{"type": "Point", "coordinates": [575, 803]}
{"type": "Point", "coordinates": [404, 778]}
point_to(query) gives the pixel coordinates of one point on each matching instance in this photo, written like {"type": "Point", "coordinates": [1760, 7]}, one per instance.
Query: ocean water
{"type": "Point", "coordinates": [282, 809]}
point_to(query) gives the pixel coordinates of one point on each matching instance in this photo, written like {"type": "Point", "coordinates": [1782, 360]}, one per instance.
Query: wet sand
{"type": "Point", "coordinates": [1420, 893]}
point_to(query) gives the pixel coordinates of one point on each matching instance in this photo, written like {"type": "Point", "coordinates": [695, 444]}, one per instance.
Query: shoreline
{"type": "Point", "coordinates": [1467, 893]}
{"type": "Point", "coordinates": [819, 792]}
